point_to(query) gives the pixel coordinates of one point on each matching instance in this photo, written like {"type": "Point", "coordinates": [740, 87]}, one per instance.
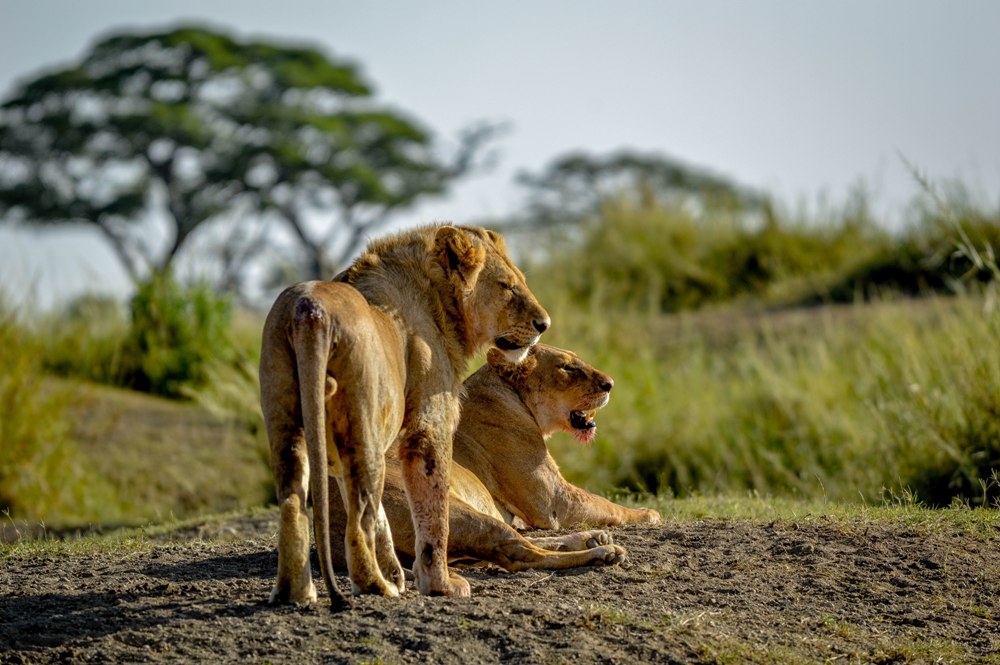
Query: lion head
{"type": "Point", "coordinates": [498, 307]}
{"type": "Point", "coordinates": [562, 391]}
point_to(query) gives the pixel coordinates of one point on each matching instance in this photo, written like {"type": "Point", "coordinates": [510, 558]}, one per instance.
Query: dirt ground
{"type": "Point", "coordinates": [690, 592]}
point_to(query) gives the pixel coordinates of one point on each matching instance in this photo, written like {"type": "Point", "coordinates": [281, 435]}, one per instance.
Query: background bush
{"type": "Point", "coordinates": [164, 345]}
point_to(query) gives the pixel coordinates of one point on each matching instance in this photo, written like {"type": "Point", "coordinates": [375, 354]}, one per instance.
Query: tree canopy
{"type": "Point", "coordinates": [192, 125]}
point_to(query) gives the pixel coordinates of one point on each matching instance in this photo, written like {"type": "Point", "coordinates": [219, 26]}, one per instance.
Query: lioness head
{"type": "Point", "coordinates": [561, 390]}
{"type": "Point", "coordinates": [498, 306]}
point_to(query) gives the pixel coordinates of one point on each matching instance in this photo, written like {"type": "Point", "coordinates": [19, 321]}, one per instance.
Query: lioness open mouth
{"type": "Point", "coordinates": [584, 427]}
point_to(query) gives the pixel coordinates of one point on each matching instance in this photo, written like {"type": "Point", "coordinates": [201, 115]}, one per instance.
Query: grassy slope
{"type": "Point", "coordinates": [171, 458]}
{"type": "Point", "coordinates": [153, 459]}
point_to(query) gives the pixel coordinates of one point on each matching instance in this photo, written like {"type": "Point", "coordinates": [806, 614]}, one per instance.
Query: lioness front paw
{"type": "Point", "coordinates": [454, 586]}
{"type": "Point", "coordinates": [610, 555]}
{"type": "Point", "coordinates": [597, 538]}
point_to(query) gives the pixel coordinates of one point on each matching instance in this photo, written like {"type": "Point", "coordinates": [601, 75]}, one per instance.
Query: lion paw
{"type": "Point", "coordinates": [458, 586]}
{"type": "Point", "coordinates": [609, 555]}
{"type": "Point", "coordinates": [376, 587]}
{"type": "Point", "coordinates": [398, 578]}
{"type": "Point", "coordinates": [286, 594]}
{"type": "Point", "coordinates": [597, 538]}
{"type": "Point", "coordinates": [455, 586]}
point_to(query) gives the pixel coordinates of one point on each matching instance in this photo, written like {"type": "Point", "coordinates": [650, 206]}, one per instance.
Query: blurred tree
{"type": "Point", "coordinates": [575, 186]}
{"type": "Point", "coordinates": [192, 126]}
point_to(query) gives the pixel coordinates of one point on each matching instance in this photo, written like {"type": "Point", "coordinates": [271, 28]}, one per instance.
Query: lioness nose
{"type": "Point", "coordinates": [541, 325]}
{"type": "Point", "coordinates": [608, 384]}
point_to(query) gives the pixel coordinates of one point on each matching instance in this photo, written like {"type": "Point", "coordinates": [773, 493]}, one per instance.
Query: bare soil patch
{"type": "Point", "coordinates": [690, 592]}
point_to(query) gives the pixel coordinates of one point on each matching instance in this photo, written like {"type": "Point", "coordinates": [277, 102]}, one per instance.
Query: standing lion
{"type": "Point", "coordinates": [375, 357]}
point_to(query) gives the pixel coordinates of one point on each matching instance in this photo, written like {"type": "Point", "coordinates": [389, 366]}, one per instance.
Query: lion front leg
{"type": "Point", "coordinates": [426, 468]}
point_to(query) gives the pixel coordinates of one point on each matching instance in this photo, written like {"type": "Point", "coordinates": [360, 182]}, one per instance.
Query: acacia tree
{"type": "Point", "coordinates": [191, 125]}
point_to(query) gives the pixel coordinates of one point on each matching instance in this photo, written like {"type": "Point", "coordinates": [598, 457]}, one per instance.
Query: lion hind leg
{"type": "Point", "coordinates": [386, 552]}
{"type": "Point", "coordinates": [371, 556]}
{"type": "Point", "coordinates": [294, 583]}
{"type": "Point", "coordinates": [361, 543]}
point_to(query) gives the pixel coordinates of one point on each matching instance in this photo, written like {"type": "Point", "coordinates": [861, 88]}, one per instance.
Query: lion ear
{"type": "Point", "coordinates": [458, 255]}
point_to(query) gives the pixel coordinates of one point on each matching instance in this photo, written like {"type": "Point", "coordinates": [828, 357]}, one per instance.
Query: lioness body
{"type": "Point", "coordinates": [350, 367]}
{"type": "Point", "coordinates": [502, 471]}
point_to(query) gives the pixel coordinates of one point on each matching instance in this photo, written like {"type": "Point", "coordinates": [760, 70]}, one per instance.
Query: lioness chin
{"type": "Point", "coordinates": [375, 358]}
{"type": "Point", "coordinates": [503, 474]}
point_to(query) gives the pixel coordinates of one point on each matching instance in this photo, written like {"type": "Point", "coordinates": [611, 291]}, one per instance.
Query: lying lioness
{"type": "Point", "coordinates": [509, 412]}
{"type": "Point", "coordinates": [503, 474]}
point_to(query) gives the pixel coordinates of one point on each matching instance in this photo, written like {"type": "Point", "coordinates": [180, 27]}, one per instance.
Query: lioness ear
{"type": "Point", "coordinates": [458, 255]}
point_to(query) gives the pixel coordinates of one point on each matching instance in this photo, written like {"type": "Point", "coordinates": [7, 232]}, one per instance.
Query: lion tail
{"type": "Point", "coordinates": [312, 339]}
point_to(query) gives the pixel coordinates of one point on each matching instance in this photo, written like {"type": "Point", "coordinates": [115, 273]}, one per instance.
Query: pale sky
{"type": "Point", "coordinates": [802, 99]}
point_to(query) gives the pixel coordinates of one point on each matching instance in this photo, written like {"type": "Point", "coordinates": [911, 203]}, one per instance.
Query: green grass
{"type": "Point", "coordinates": [850, 516]}
{"type": "Point", "coordinates": [43, 475]}
{"type": "Point", "coordinates": [843, 403]}
{"type": "Point", "coordinates": [858, 403]}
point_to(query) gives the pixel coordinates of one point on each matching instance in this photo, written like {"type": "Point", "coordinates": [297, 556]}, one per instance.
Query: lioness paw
{"type": "Point", "coordinates": [598, 538]}
{"type": "Point", "coordinates": [610, 555]}
{"type": "Point", "coordinates": [302, 596]}
{"type": "Point", "coordinates": [458, 586]}
{"type": "Point", "coordinates": [455, 586]}
{"type": "Point", "coordinates": [376, 587]}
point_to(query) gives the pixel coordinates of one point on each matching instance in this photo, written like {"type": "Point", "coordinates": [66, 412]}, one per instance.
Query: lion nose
{"type": "Point", "coordinates": [608, 384]}
{"type": "Point", "coordinates": [541, 325]}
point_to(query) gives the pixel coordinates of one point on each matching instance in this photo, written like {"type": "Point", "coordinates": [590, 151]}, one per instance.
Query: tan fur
{"type": "Point", "coordinates": [502, 470]}
{"type": "Point", "coordinates": [374, 358]}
